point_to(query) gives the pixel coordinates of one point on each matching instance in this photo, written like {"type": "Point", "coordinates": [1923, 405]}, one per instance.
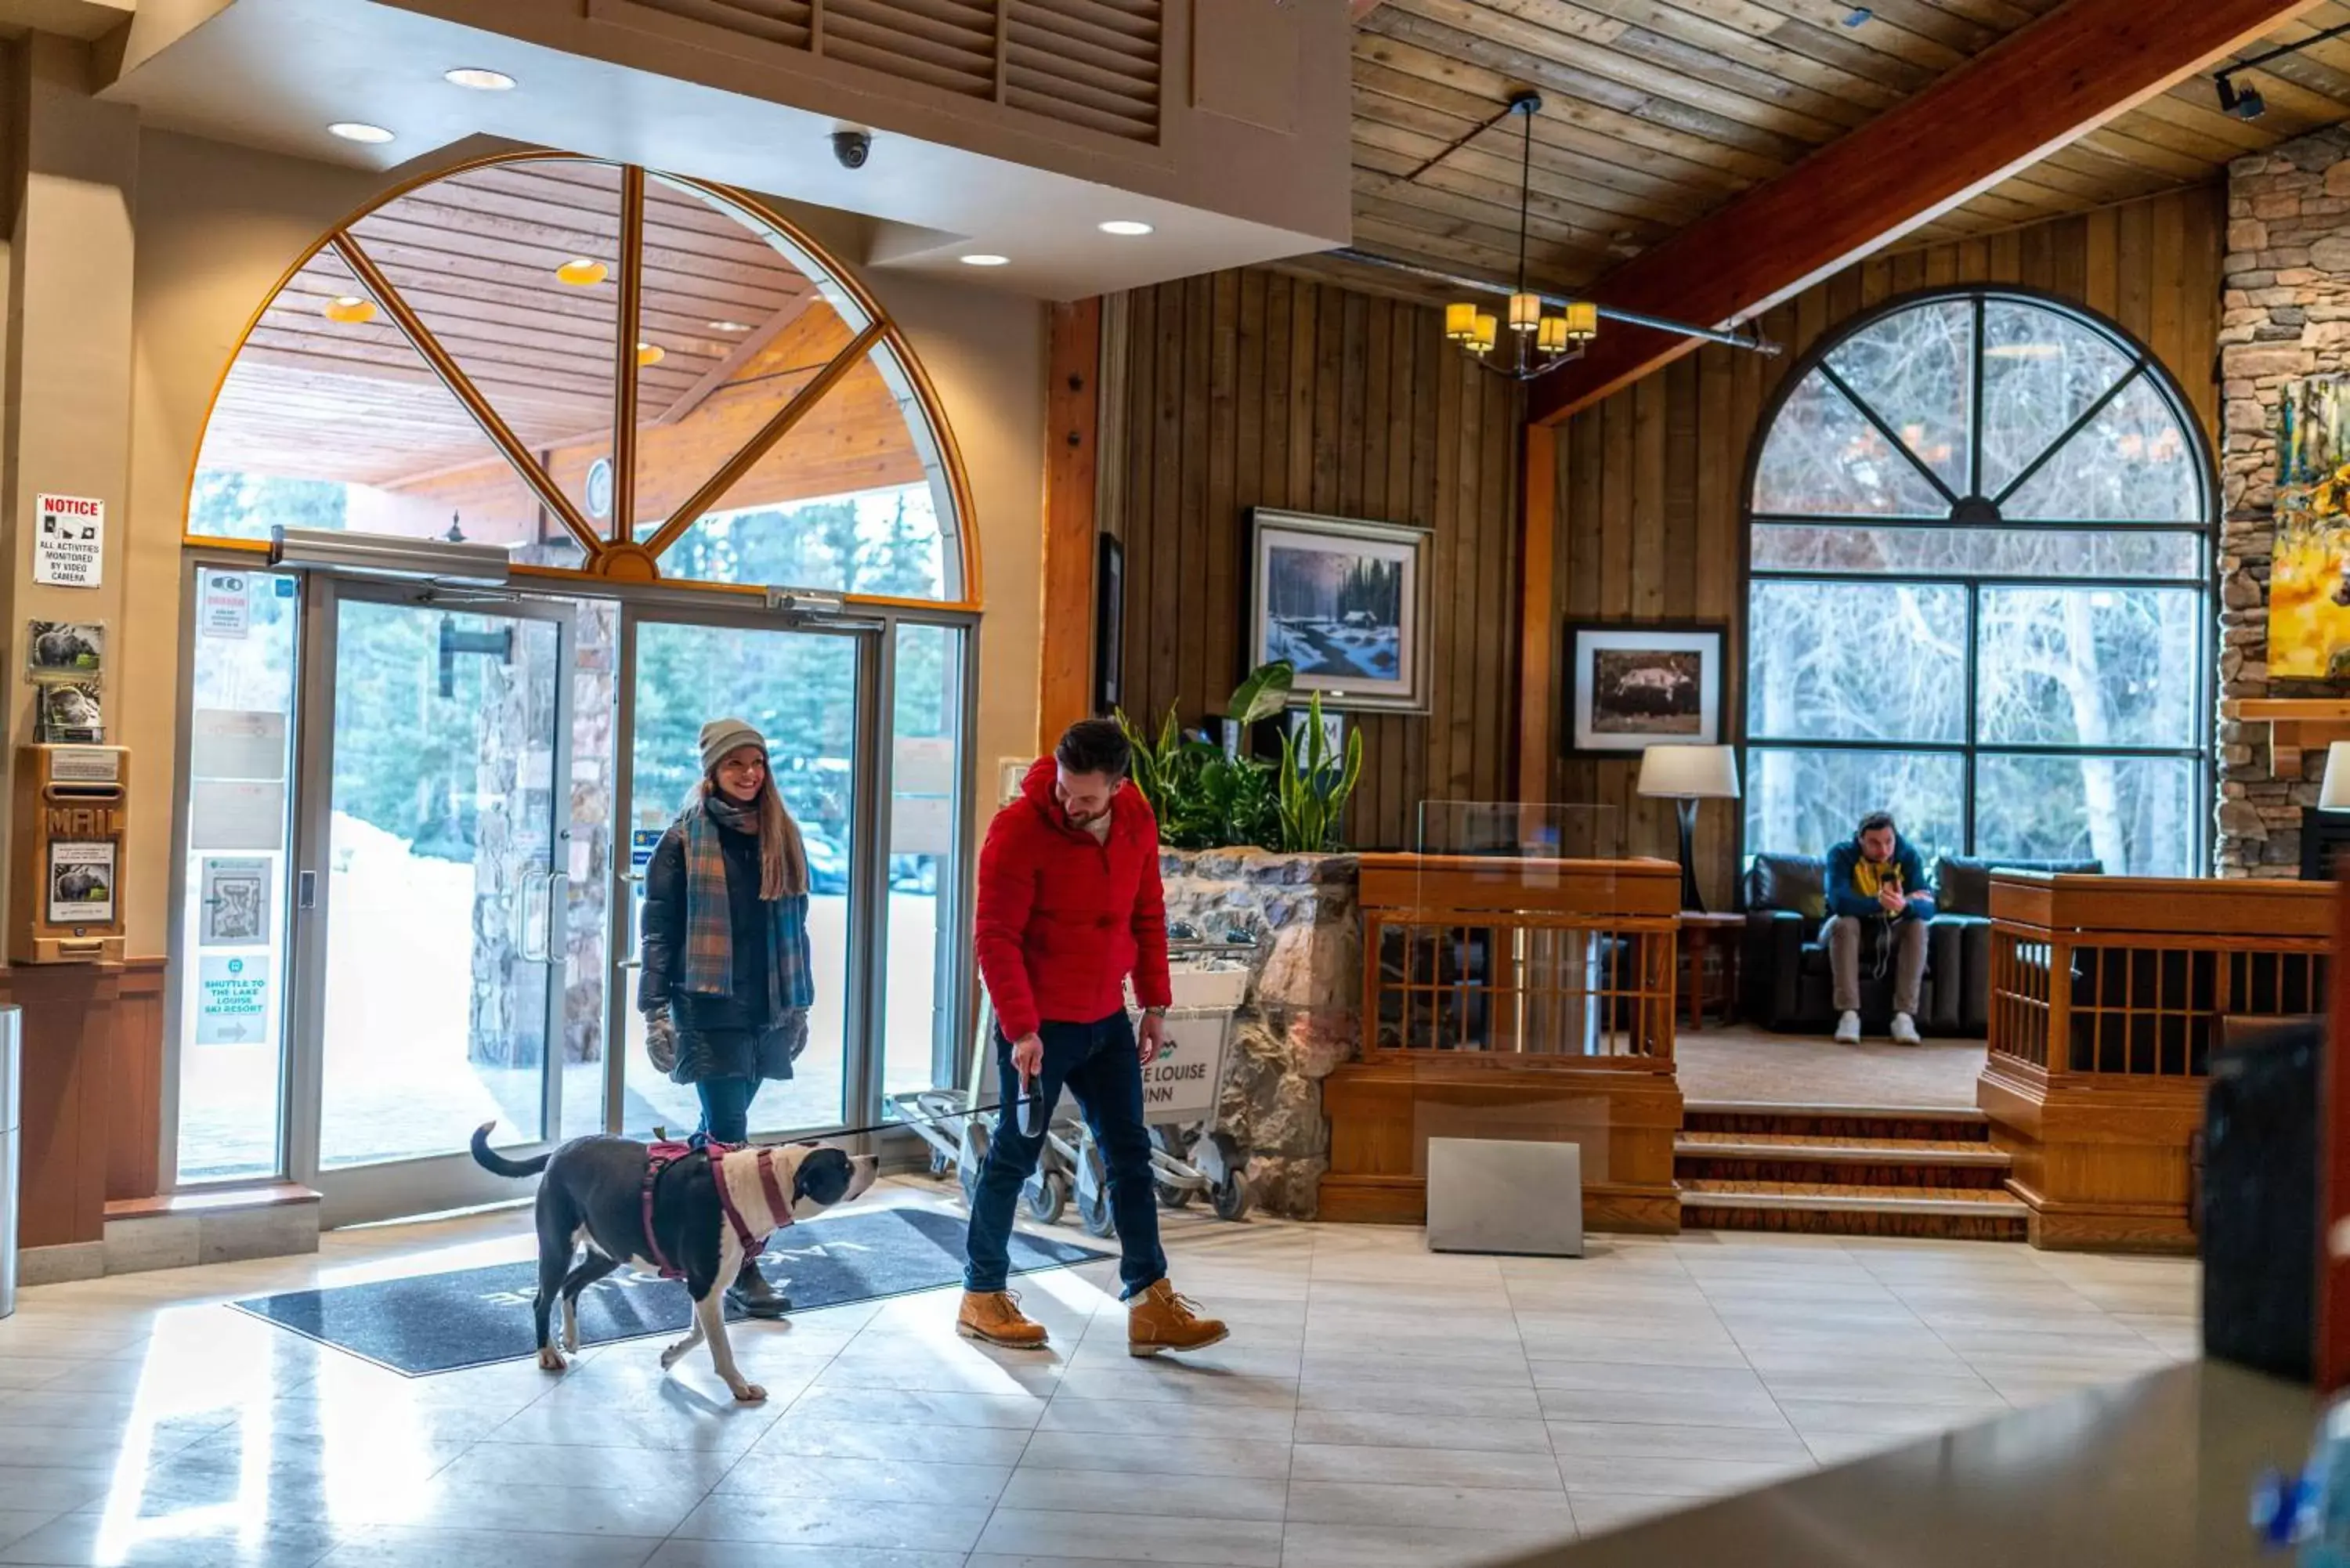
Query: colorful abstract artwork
{"type": "Point", "coordinates": [2309, 577]}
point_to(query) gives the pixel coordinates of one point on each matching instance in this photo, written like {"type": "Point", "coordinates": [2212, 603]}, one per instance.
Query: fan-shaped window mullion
{"type": "Point", "coordinates": [462, 388]}
{"type": "Point", "coordinates": [2088, 415]}
{"type": "Point", "coordinates": [747, 456]}
{"type": "Point", "coordinates": [1892, 437]}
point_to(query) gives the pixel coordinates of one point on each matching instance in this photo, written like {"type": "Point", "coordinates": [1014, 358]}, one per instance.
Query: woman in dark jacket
{"type": "Point", "coordinates": [727, 979]}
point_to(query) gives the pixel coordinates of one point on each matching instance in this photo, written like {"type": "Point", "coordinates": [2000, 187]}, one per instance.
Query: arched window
{"type": "Point", "coordinates": [1980, 594]}
{"type": "Point", "coordinates": [449, 364]}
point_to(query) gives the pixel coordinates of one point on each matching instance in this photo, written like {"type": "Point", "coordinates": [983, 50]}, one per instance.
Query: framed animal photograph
{"type": "Point", "coordinates": [1346, 603]}
{"type": "Point", "coordinates": [1633, 684]}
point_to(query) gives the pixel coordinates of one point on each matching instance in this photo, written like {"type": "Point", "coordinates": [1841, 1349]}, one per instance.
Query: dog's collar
{"type": "Point", "coordinates": [779, 1202]}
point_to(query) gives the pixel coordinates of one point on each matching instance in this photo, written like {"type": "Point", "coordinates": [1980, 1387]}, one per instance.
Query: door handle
{"type": "Point", "coordinates": [558, 888]}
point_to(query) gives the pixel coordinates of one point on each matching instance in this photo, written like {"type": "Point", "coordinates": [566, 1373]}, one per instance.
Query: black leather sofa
{"type": "Point", "coordinates": [1962, 903]}
{"type": "Point", "coordinates": [1783, 977]}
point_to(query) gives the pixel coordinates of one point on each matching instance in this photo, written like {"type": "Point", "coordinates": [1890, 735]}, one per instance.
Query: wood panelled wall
{"type": "Point", "coordinates": [1250, 389]}
{"type": "Point", "coordinates": [1651, 513]}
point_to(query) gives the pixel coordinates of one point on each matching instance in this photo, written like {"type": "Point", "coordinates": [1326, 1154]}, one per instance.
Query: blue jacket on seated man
{"type": "Point", "coordinates": [1878, 904]}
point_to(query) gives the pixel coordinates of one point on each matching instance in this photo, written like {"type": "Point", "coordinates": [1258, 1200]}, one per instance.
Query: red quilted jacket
{"type": "Point", "coordinates": [1061, 919]}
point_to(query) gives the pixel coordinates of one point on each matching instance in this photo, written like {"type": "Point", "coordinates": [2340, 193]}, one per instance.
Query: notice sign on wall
{"type": "Point", "coordinates": [232, 1001]}
{"type": "Point", "coordinates": [70, 543]}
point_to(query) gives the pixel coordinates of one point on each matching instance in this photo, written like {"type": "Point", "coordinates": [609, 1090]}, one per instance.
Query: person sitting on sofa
{"type": "Point", "coordinates": [1878, 910]}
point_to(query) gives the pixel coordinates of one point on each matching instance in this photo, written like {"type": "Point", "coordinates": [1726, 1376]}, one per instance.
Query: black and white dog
{"type": "Point", "coordinates": [695, 1218]}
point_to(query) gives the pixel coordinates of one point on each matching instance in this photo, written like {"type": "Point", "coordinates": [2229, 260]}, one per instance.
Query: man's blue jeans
{"type": "Point", "coordinates": [726, 1109]}
{"type": "Point", "coordinates": [1097, 1063]}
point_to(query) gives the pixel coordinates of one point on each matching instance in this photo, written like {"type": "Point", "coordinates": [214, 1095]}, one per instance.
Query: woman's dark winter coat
{"type": "Point", "coordinates": [729, 1036]}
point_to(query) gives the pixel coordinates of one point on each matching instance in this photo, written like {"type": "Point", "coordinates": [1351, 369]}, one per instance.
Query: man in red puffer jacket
{"type": "Point", "coordinates": [1069, 905]}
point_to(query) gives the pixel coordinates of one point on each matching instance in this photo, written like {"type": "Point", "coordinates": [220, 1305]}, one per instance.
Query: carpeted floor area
{"type": "Point", "coordinates": [1739, 1064]}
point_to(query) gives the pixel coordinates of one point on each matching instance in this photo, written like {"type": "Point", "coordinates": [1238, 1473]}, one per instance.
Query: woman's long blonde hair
{"type": "Point", "coordinates": [783, 854]}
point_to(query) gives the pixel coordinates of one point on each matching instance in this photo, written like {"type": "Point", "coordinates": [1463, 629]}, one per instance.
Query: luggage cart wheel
{"type": "Point", "coordinates": [941, 1162]}
{"type": "Point", "coordinates": [1048, 1196]}
{"type": "Point", "coordinates": [1093, 1212]}
{"type": "Point", "coordinates": [1230, 1197]}
{"type": "Point", "coordinates": [1171, 1196]}
{"type": "Point", "coordinates": [971, 1161]}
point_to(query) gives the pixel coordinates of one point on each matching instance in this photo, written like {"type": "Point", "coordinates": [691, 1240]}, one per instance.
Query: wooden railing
{"type": "Point", "coordinates": [1520, 962]}
{"type": "Point", "coordinates": [2106, 995]}
{"type": "Point", "coordinates": [2130, 976]}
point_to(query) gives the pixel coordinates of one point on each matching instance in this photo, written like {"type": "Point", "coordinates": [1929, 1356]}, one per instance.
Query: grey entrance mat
{"type": "Point", "coordinates": [439, 1323]}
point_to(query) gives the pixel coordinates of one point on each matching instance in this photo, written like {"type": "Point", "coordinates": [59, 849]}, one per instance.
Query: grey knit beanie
{"type": "Point", "coordinates": [721, 736]}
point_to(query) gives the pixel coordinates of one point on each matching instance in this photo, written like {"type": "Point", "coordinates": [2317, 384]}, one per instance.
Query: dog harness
{"type": "Point", "coordinates": [659, 1156]}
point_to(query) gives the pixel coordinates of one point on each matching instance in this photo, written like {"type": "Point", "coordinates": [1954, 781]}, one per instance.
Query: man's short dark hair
{"type": "Point", "coordinates": [1874, 820]}
{"type": "Point", "coordinates": [1095, 746]}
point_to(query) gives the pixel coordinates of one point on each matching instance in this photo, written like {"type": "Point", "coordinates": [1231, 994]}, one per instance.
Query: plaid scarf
{"type": "Point", "coordinates": [709, 928]}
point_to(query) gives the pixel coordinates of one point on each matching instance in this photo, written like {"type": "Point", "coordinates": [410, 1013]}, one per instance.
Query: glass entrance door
{"type": "Point", "coordinates": [812, 693]}
{"type": "Point", "coordinates": [430, 892]}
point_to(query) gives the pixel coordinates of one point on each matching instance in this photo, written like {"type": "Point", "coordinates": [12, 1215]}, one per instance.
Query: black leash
{"type": "Point", "coordinates": [1031, 1107]}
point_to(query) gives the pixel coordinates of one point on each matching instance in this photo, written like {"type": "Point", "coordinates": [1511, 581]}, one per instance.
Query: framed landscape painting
{"type": "Point", "coordinates": [1631, 685]}
{"type": "Point", "coordinates": [1344, 602]}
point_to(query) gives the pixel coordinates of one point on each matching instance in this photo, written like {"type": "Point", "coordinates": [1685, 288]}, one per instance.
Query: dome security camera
{"type": "Point", "coordinates": [852, 148]}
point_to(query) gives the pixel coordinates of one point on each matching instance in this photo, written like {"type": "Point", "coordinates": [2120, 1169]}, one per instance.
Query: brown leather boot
{"type": "Point", "coordinates": [1159, 1320]}
{"type": "Point", "coordinates": [994, 1317]}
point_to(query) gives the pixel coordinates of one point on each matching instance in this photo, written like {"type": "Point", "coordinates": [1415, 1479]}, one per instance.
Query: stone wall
{"type": "Point", "coordinates": [1301, 1017]}
{"type": "Point", "coordinates": [2286, 314]}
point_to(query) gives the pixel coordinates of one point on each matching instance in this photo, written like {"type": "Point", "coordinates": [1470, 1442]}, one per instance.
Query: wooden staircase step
{"type": "Point", "coordinates": [1955, 1213]}
{"type": "Point", "coordinates": [1854, 1199]}
{"type": "Point", "coordinates": [1821, 1149]}
{"type": "Point", "coordinates": [1852, 1123]}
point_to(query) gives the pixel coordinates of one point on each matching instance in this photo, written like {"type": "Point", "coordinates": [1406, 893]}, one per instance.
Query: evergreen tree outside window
{"type": "Point", "coordinates": [1981, 533]}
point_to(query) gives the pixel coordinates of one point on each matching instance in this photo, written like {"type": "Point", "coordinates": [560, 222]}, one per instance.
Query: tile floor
{"type": "Point", "coordinates": [1377, 1405]}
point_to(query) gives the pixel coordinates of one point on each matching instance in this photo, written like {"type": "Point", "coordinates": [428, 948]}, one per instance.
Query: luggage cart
{"type": "Point", "coordinates": [955, 1125]}
{"type": "Point", "coordinates": [1190, 1154]}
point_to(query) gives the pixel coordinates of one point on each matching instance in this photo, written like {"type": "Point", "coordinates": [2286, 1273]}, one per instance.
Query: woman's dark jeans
{"type": "Point", "coordinates": [726, 1109]}
{"type": "Point", "coordinates": [1097, 1063]}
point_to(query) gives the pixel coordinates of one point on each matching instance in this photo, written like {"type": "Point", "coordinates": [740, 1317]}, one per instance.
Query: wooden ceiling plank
{"type": "Point", "coordinates": [1458, 255]}
{"type": "Point", "coordinates": [1418, 50]}
{"type": "Point", "coordinates": [1443, 114]}
{"type": "Point", "coordinates": [1674, 41]}
{"type": "Point", "coordinates": [1593, 255]}
{"type": "Point", "coordinates": [1380, 172]}
{"type": "Point", "coordinates": [1837, 47]}
{"type": "Point", "coordinates": [2076, 69]}
{"type": "Point", "coordinates": [1628, 101]}
{"type": "Point", "coordinates": [1668, 90]}
{"type": "Point", "coordinates": [1394, 155]}
{"type": "Point", "coordinates": [1691, 26]}
{"type": "Point", "coordinates": [1938, 45]}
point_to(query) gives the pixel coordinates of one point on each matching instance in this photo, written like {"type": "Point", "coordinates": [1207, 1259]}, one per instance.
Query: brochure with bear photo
{"type": "Point", "coordinates": [65, 649]}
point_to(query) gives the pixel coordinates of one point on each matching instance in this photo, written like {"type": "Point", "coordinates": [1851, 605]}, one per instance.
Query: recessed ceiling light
{"type": "Point", "coordinates": [582, 271]}
{"type": "Point", "coordinates": [730, 327]}
{"type": "Point", "coordinates": [1859, 17]}
{"type": "Point", "coordinates": [359, 130]}
{"type": "Point", "coordinates": [650, 353]}
{"type": "Point", "coordinates": [983, 259]}
{"type": "Point", "coordinates": [350, 309]}
{"type": "Point", "coordinates": [480, 78]}
{"type": "Point", "coordinates": [1125, 226]}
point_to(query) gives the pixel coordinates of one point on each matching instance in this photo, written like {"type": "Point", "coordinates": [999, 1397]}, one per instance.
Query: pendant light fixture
{"type": "Point", "coordinates": [1533, 339]}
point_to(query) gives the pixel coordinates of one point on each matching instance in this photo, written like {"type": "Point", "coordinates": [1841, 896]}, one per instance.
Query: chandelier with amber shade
{"type": "Point", "coordinates": [1534, 339]}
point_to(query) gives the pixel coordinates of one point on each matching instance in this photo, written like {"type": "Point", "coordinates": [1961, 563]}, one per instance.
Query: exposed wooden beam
{"type": "Point", "coordinates": [2038, 89]}
{"type": "Point", "coordinates": [742, 354]}
{"type": "Point", "coordinates": [1537, 636]}
{"type": "Point", "coordinates": [1064, 691]}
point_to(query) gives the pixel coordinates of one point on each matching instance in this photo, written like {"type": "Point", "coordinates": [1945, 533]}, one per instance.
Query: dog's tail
{"type": "Point", "coordinates": [491, 1160]}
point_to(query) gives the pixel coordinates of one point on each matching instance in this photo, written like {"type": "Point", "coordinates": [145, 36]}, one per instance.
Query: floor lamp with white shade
{"type": "Point", "coordinates": [1686, 776]}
